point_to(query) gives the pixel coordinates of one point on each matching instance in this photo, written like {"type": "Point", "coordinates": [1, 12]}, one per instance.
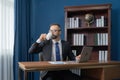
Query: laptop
{"type": "Point", "coordinates": [85, 54]}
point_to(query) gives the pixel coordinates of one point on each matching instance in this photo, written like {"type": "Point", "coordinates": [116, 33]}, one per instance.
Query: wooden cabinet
{"type": "Point", "coordinates": [89, 25]}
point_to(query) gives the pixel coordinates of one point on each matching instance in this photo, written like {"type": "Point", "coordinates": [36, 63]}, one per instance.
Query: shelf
{"type": "Point", "coordinates": [91, 29]}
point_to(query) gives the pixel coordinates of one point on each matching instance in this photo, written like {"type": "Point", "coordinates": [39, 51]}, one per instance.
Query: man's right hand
{"type": "Point", "coordinates": [41, 38]}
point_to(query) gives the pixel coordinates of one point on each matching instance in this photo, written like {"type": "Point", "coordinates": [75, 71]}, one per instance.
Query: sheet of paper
{"type": "Point", "coordinates": [61, 62]}
{"type": "Point", "coordinates": [57, 62]}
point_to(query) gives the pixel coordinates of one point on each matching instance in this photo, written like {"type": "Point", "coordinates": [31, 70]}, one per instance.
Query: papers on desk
{"type": "Point", "coordinates": [61, 62]}
{"type": "Point", "coordinates": [57, 62]}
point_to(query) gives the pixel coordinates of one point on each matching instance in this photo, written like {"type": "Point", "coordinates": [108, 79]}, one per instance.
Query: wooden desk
{"type": "Point", "coordinates": [99, 70]}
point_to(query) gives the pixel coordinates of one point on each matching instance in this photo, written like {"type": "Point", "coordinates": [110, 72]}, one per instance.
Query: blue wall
{"type": "Point", "coordinates": [45, 12]}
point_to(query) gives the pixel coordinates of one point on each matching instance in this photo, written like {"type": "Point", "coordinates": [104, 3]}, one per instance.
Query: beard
{"type": "Point", "coordinates": [54, 36]}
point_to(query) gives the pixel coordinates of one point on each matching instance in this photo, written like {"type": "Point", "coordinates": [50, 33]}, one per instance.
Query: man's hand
{"type": "Point", "coordinates": [78, 58]}
{"type": "Point", "coordinates": [41, 38]}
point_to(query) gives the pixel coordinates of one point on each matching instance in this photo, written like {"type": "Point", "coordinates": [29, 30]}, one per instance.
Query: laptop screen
{"type": "Point", "coordinates": [85, 54]}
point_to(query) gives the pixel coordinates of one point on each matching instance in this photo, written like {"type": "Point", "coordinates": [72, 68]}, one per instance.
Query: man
{"type": "Point", "coordinates": [50, 49]}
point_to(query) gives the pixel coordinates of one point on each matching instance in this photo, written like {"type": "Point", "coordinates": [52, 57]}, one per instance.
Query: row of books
{"type": "Point", "coordinates": [92, 39]}
{"type": "Point", "coordinates": [97, 39]}
{"type": "Point", "coordinates": [78, 39]}
{"type": "Point", "coordinates": [102, 38]}
{"type": "Point", "coordinates": [75, 22]}
{"type": "Point", "coordinates": [101, 22]}
{"type": "Point", "coordinates": [103, 55]}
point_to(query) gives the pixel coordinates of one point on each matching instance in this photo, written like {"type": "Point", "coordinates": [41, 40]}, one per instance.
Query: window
{"type": "Point", "coordinates": [6, 39]}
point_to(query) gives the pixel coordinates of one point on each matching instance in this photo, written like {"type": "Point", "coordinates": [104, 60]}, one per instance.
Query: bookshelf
{"type": "Point", "coordinates": [89, 25]}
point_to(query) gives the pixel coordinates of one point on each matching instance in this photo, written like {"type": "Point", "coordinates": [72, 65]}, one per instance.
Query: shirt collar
{"type": "Point", "coordinates": [56, 41]}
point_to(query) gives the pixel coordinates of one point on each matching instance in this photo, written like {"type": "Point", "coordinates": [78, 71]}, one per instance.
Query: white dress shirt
{"type": "Point", "coordinates": [53, 50]}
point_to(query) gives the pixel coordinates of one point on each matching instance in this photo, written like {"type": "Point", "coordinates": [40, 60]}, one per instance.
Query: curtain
{"type": "Point", "coordinates": [22, 34]}
{"type": "Point", "coordinates": [6, 39]}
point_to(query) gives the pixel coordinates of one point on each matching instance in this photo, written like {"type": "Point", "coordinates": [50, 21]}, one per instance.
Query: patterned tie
{"type": "Point", "coordinates": [57, 51]}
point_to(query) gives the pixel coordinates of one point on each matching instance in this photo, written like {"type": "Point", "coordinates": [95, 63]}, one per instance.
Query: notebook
{"type": "Point", "coordinates": [85, 54]}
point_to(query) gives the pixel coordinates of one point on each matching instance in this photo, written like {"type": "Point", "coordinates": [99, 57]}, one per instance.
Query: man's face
{"type": "Point", "coordinates": [55, 30]}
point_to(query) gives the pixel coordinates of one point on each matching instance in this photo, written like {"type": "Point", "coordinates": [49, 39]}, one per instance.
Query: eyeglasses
{"type": "Point", "coordinates": [55, 30]}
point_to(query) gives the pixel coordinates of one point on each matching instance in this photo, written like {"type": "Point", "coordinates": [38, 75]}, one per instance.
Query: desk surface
{"type": "Point", "coordinates": [45, 65]}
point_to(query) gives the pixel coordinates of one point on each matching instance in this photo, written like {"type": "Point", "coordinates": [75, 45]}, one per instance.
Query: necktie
{"type": "Point", "coordinates": [57, 51]}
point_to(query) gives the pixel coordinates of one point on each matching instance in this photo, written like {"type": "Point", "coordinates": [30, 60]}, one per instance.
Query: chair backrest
{"type": "Point", "coordinates": [41, 56]}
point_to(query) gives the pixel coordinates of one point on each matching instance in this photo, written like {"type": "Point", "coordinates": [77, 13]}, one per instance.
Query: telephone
{"type": "Point", "coordinates": [49, 36]}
